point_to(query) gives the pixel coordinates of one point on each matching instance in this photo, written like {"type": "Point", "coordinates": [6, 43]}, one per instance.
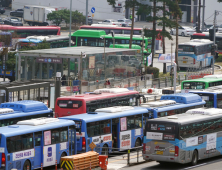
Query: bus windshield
{"type": "Point", "coordinates": [185, 48]}
{"type": "Point", "coordinates": [194, 85]}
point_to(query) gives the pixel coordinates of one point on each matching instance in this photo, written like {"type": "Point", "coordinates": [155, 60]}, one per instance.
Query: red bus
{"type": "Point", "coordinates": [26, 31]}
{"type": "Point", "coordinates": [78, 104]}
{"type": "Point", "coordinates": [117, 30]}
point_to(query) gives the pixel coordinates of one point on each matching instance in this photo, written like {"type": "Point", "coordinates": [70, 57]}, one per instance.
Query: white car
{"type": "Point", "coordinates": [183, 31]}
{"type": "Point", "coordinates": [125, 22]}
{"type": "Point", "coordinates": [111, 22]}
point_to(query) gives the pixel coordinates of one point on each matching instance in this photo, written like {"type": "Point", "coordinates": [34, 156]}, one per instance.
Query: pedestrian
{"type": "Point", "coordinates": [63, 80]}
{"type": "Point", "coordinates": [108, 82]}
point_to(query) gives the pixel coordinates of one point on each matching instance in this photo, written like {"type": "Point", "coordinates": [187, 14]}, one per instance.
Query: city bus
{"type": "Point", "coordinates": [172, 104]}
{"type": "Point", "coordinates": [96, 38]}
{"type": "Point", "coordinates": [12, 112]}
{"type": "Point", "coordinates": [195, 54]}
{"type": "Point", "coordinates": [30, 143]}
{"type": "Point", "coordinates": [201, 83]}
{"type": "Point", "coordinates": [55, 41]}
{"type": "Point", "coordinates": [119, 127]}
{"type": "Point", "coordinates": [184, 138]}
{"type": "Point", "coordinates": [78, 104]}
{"type": "Point", "coordinates": [25, 31]}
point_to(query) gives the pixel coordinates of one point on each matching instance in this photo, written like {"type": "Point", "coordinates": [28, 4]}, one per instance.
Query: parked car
{"type": "Point", "coordinates": [2, 10]}
{"type": "Point", "coordinates": [111, 22]}
{"type": "Point", "coordinates": [183, 31]}
{"type": "Point", "coordinates": [125, 22]}
{"type": "Point", "coordinates": [90, 20]}
{"type": "Point", "coordinates": [13, 21]}
{"type": "Point", "coordinates": [17, 13]}
{"type": "Point", "coordinates": [1, 21]}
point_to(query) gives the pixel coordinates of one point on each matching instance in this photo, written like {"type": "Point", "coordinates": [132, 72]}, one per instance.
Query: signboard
{"type": "Point", "coordinates": [211, 143]}
{"type": "Point", "coordinates": [47, 137]}
{"type": "Point", "coordinates": [93, 10]}
{"type": "Point", "coordinates": [91, 62]}
{"type": "Point", "coordinates": [92, 145]}
{"type": "Point", "coordinates": [49, 154]}
{"type": "Point", "coordinates": [125, 139]}
{"type": "Point", "coordinates": [92, 15]}
{"type": "Point", "coordinates": [49, 60]}
{"type": "Point", "coordinates": [166, 58]}
{"type": "Point", "coordinates": [149, 60]}
{"type": "Point", "coordinates": [23, 154]}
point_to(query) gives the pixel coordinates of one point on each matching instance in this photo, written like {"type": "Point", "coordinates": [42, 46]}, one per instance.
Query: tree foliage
{"type": "Point", "coordinates": [64, 15]}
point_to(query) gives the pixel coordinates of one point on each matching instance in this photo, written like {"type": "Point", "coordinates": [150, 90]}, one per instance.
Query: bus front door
{"type": "Point", "coordinates": [115, 136]}
{"type": "Point", "coordinates": [38, 149]}
{"type": "Point", "coordinates": [72, 141]}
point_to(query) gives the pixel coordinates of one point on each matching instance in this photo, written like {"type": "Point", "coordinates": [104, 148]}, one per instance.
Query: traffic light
{"type": "Point", "coordinates": [211, 34]}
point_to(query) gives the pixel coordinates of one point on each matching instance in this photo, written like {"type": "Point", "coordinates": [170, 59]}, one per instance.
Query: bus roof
{"type": "Point", "coordinates": [208, 80]}
{"type": "Point", "coordinates": [14, 130]}
{"type": "Point", "coordinates": [190, 117]}
{"type": "Point", "coordinates": [9, 27]}
{"type": "Point", "coordinates": [89, 33]}
{"type": "Point", "coordinates": [133, 46]}
{"type": "Point", "coordinates": [38, 39]}
{"type": "Point", "coordinates": [25, 106]}
{"type": "Point", "coordinates": [98, 116]}
{"type": "Point", "coordinates": [96, 96]}
{"type": "Point", "coordinates": [197, 42]}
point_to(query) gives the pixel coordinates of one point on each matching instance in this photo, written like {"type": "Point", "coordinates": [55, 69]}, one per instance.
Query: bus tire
{"type": "Point", "coordinates": [138, 142]}
{"type": "Point", "coordinates": [194, 157]}
{"type": "Point", "coordinates": [105, 150]}
{"type": "Point", "coordinates": [63, 154]}
{"type": "Point", "coordinates": [27, 163]}
{"type": "Point", "coordinates": [182, 34]}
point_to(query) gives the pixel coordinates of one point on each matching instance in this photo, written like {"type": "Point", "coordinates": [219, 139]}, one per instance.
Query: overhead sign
{"type": "Point", "coordinates": [49, 60]}
{"type": "Point", "coordinates": [93, 10]}
{"type": "Point", "coordinates": [166, 58]}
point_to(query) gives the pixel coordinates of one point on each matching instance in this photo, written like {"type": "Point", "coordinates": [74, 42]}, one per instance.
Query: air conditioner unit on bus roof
{"type": "Point", "coordinates": [6, 110]}
{"type": "Point", "coordinates": [213, 76]}
{"type": "Point", "coordinates": [205, 111]}
{"type": "Point", "coordinates": [114, 109]}
{"type": "Point", "coordinates": [111, 90]}
{"type": "Point", "coordinates": [38, 121]}
{"type": "Point", "coordinates": [158, 103]}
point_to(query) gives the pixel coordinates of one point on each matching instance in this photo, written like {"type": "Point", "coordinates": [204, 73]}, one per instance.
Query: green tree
{"type": "Point", "coordinates": [78, 17]}
{"type": "Point", "coordinates": [56, 17]}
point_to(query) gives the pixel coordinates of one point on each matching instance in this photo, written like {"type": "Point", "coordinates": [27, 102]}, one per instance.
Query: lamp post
{"type": "Point", "coordinates": [103, 37]}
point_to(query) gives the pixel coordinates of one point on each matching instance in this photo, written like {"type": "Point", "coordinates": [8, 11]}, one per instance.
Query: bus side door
{"type": "Point", "coordinates": [72, 141]}
{"type": "Point", "coordinates": [38, 149]}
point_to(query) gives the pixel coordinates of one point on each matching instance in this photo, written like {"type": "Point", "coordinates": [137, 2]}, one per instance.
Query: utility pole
{"type": "Point", "coordinates": [215, 14]}
{"type": "Point", "coordinates": [87, 12]}
{"type": "Point", "coordinates": [203, 15]}
{"type": "Point", "coordinates": [70, 27]}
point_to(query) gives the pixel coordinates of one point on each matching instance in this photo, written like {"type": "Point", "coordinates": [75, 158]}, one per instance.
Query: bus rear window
{"type": "Point", "coordinates": [71, 104]}
{"type": "Point", "coordinates": [194, 85]}
{"type": "Point", "coordinates": [185, 48]}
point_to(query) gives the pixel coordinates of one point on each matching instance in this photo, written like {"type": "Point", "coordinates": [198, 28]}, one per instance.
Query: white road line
{"type": "Point", "coordinates": [196, 166]}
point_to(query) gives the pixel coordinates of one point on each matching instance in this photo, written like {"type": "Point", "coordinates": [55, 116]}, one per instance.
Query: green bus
{"type": "Point", "coordinates": [201, 83]}
{"type": "Point", "coordinates": [95, 38]}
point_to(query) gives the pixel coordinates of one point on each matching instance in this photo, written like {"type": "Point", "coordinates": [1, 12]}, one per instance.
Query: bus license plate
{"type": "Point", "coordinates": [159, 152]}
{"type": "Point", "coordinates": [184, 61]}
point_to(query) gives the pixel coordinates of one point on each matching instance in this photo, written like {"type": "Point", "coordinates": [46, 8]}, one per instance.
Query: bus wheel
{"type": "Point", "coordinates": [105, 150]}
{"type": "Point", "coordinates": [63, 154]}
{"type": "Point", "coordinates": [194, 157]}
{"type": "Point", "coordinates": [26, 164]}
{"type": "Point", "coordinates": [138, 143]}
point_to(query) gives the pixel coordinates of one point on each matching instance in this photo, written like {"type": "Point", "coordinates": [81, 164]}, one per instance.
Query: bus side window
{"type": "Point", "coordinates": [55, 136]}
{"type": "Point", "coordinates": [138, 121]}
{"type": "Point", "coordinates": [130, 122]}
{"type": "Point", "coordinates": [105, 127]}
{"type": "Point", "coordinates": [38, 138]}
{"type": "Point", "coordinates": [64, 134]}
{"type": "Point", "coordinates": [27, 141]}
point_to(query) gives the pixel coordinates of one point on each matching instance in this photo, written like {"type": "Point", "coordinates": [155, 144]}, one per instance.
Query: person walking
{"type": "Point", "coordinates": [63, 80]}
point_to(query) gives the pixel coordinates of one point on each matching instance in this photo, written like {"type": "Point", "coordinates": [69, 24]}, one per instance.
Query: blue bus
{"type": "Point", "coordinates": [12, 112]}
{"type": "Point", "coordinates": [35, 142]}
{"type": "Point", "coordinates": [184, 138]}
{"type": "Point", "coordinates": [195, 54]}
{"type": "Point", "coordinates": [119, 127]}
{"type": "Point", "coordinates": [173, 104]}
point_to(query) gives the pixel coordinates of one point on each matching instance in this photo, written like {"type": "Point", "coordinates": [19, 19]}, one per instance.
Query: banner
{"type": "Point", "coordinates": [149, 60]}
{"type": "Point", "coordinates": [166, 58]}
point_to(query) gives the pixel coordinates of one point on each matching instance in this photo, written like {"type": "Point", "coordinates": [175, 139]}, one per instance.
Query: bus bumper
{"type": "Point", "coordinates": [161, 158]}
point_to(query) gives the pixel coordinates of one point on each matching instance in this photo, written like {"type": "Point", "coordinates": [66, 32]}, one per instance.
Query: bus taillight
{"type": "Point", "coordinates": [83, 143]}
{"type": "Point", "coordinates": [194, 61]}
{"type": "Point", "coordinates": [144, 148]}
{"type": "Point", "coordinates": [3, 159]}
{"type": "Point", "coordinates": [176, 151]}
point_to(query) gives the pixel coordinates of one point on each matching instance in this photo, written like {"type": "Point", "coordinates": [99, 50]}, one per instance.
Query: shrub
{"type": "Point", "coordinates": [219, 59]}
{"type": "Point", "coordinates": [154, 70]}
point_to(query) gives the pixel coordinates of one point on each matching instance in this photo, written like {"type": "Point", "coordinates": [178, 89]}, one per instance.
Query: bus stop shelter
{"type": "Point", "coordinates": [27, 90]}
{"type": "Point", "coordinates": [93, 63]}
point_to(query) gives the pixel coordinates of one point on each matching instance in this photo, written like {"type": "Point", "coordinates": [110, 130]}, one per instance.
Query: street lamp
{"type": "Point", "coordinates": [103, 37]}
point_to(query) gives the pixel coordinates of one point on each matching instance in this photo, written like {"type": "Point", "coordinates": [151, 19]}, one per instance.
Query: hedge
{"type": "Point", "coordinates": [153, 70]}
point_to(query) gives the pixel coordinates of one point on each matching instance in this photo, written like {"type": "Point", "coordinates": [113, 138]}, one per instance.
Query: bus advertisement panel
{"type": "Point", "coordinates": [78, 104]}
{"type": "Point", "coordinates": [184, 138]}
{"type": "Point", "coordinates": [111, 129]}
{"type": "Point", "coordinates": [172, 104]}
{"type": "Point", "coordinates": [12, 112]}
{"type": "Point", "coordinates": [35, 142]}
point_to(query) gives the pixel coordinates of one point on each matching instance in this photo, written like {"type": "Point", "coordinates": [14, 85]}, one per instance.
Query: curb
{"type": "Point", "coordinates": [218, 66]}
